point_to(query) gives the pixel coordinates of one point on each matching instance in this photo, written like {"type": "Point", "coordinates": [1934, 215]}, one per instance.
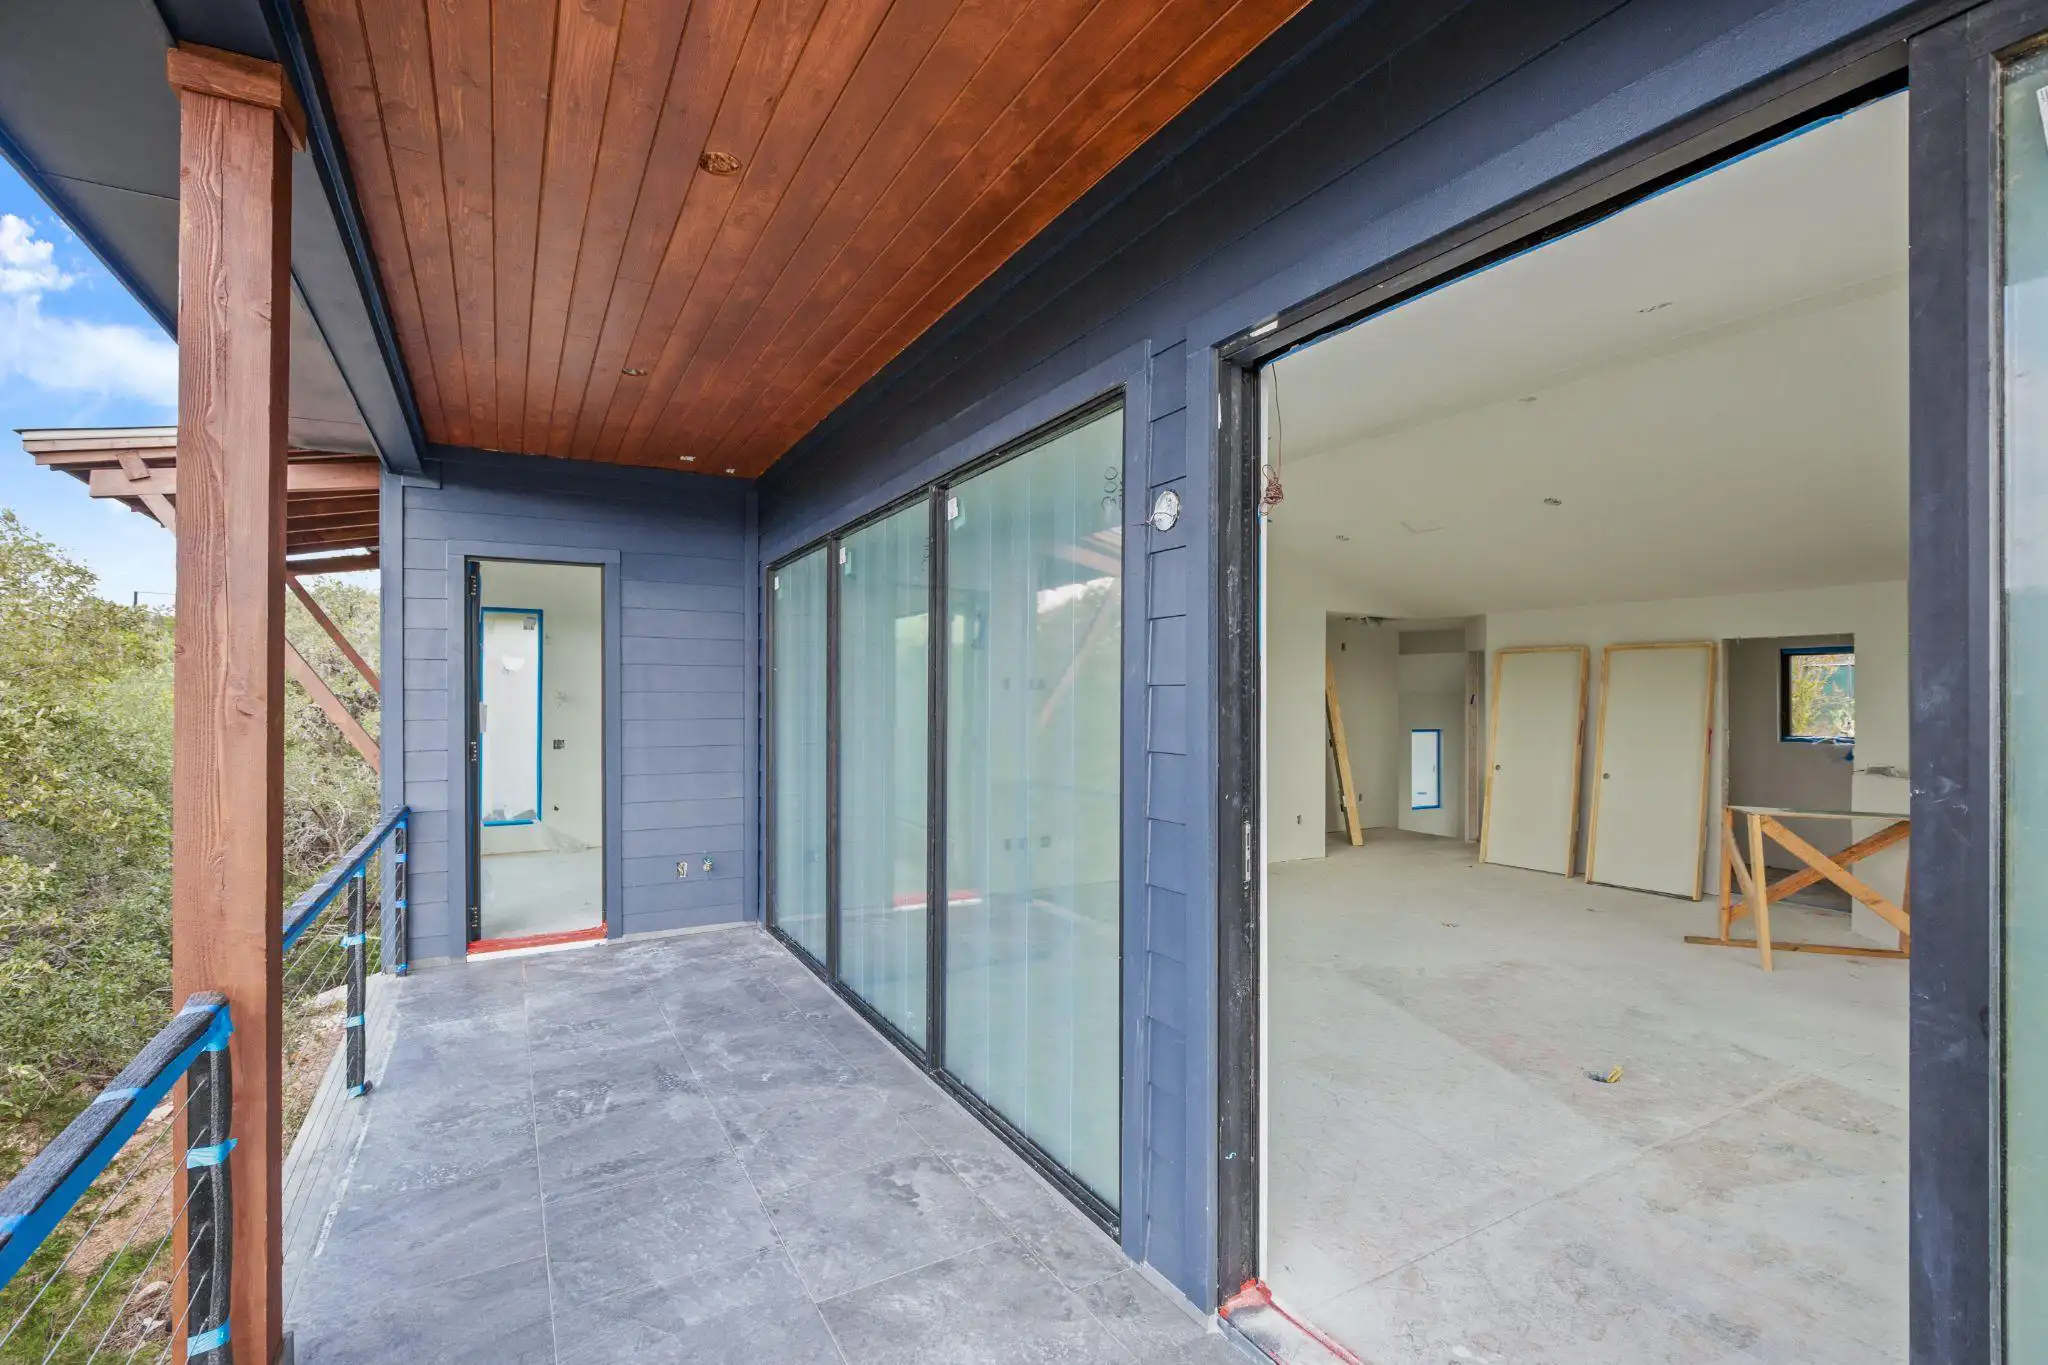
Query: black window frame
{"type": "Point", "coordinates": [1786, 654]}
{"type": "Point", "coordinates": [929, 1057]}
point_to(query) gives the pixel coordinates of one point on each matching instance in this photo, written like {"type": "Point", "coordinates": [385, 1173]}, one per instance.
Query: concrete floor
{"type": "Point", "coordinates": [546, 892]}
{"type": "Point", "coordinates": [687, 1149]}
{"type": "Point", "coordinates": [1447, 1184]}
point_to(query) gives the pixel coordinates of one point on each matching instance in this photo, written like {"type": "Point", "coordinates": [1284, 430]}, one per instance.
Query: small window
{"type": "Point", "coordinates": [1817, 695]}
{"type": "Point", "coordinates": [1425, 769]}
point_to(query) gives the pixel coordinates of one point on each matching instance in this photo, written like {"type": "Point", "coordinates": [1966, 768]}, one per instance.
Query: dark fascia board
{"type": "Point", "coordinates": [90, 123]}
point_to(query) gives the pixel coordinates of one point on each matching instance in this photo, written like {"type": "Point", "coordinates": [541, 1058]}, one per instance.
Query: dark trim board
{"type": "Point", "coordinates": [1957, 627]}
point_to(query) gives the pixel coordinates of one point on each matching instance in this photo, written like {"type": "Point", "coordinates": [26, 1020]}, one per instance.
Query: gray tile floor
{"type": "Point", "coordinates": [687, 1149]}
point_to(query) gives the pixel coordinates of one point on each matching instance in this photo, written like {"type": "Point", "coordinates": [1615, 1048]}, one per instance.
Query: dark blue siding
{"type": "Point", "coordinates": [1359, 133]}
{"type": "Point", "coordinates": [680, 687]}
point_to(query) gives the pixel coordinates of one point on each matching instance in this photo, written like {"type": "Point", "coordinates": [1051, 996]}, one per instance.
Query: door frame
{"type": "Point", "coordinates": [1953, 1253]}
{"type": "Point", "coordinates": [461, 770]}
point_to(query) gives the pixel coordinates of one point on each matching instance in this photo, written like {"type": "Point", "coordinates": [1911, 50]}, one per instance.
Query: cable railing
{"type": "Point", "coordinates": [91, 1263]}
{"type": "Point", "coordinates": [328, 959]}
{"type": "Point", "coordinates": [114, 1238]}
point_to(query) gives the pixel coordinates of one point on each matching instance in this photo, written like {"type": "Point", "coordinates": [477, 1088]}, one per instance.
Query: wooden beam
{"type": "Point", "coordinates": [234, 320]}
{"type": "Point", "coordinates": [333, 564]}
{"type": "Point", "coordinates": [341, 642]}
{"type": "Point", "coordinates": [213, 72]}
{"type": "Point", "coordinates": [1834, 872]}
{"type": "Point", "coordinates": [1781, 946]}
{"type": "Point", "coordinates": [300, 542]}
{"type": "Point", "coordinates": [1345, 788]}
{"type": "Point", "coordinates": [345, 520]}
{"type": "Point", "coordinates": [1854, 853]}
{"type": "Point", "coordinates": [313, 476]}
{"type": "Point", "coordinates": [352, 730]}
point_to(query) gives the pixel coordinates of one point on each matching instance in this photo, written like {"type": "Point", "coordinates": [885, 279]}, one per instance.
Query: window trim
{"type": "Point", "coordinates": [1437, 733]}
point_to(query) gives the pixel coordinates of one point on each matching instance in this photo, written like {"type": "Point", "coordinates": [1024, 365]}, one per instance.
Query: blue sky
{"type": "Point", "coordinates": [76, 351]}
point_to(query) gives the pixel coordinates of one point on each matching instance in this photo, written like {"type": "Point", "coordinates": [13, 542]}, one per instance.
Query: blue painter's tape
{"type": "Point", "coordinates": [10, 1222]}
{"type": "Point", "coordinates": [356, 1091]}
{"type": "Point", "coordinates": [118, 1095]}
{"type": "Point", "coordinates": [353, 1021]}
{"type": "Point", "coordinates": [207, 1341]}
{"type": "Point", "coordinates": [399, 903]}
{"type": "Point", "coordinates": [208, 1156]}
{"type": "Point", "coordinates": [354, 940]}
{"type": "Point", "coordinates": [403, 968]}
{"type": "Point", "coordinates": [216, 1039]}
{"type": "Point", "coordinates": [398, 857]}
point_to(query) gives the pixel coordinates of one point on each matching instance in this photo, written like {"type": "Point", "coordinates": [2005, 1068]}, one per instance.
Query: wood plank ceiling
{"type": "Point", "coordinates": [671, 233]}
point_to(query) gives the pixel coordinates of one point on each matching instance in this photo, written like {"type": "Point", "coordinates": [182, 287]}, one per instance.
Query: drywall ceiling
{"type": "Point", "coordinates": [1711, 384]}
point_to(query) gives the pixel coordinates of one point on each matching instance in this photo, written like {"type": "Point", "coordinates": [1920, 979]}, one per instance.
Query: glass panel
{"type": "Point", "coordinates": [1820, 694]}
{"type": "Point", "coordinates": [884, 714]}
{"type": "Point", "coordinates": [2025, 173]}
{"type": "Point", "coordinates": [1425, 769]}
{"type": "Point", "coordinates": [1033, 712]}
{"type": "Point", "coordinates": [796, 709]}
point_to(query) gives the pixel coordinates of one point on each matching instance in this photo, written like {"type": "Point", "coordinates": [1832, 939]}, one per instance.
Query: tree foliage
{"type": "Point", "coordinates": [85, 814]}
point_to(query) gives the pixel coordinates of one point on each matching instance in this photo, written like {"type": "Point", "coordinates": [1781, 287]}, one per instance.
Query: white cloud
{"type": "Point", "coordinates": [28, 266]}
{"type": "Point", "coordinates": [69, 355]}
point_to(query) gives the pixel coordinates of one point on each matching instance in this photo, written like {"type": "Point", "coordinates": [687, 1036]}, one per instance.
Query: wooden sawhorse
{"type": "Point", "coordinates": [1766, 822]}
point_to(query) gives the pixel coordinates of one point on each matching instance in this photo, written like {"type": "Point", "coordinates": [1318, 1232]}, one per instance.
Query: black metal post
{"type": "Point", "coordinates": [209, 1207]}
{"type": "Point", "coordinates": [354, 943]}
{"type": "Point", "coordinates": [401, 923]}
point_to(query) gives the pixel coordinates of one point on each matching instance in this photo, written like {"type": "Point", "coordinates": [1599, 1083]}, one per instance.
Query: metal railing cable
{"type": "Point", "coordinates": [329, 958]}
{"type": "Point", "coordinates": [86, 1224]}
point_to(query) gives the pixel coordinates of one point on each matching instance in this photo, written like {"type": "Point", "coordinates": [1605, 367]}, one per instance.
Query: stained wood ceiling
{"type": "Point", "coordinates": [665, 233]}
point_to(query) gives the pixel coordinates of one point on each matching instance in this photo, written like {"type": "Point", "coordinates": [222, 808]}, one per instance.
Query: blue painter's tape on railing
{"type": "Point", "coordinates": [116, 1095]}
{"type": "Point", "coordinates": [354, 940]}
{"type": "Point", "coordinates": [36, 1200]}
{"type": "Point", "coordinates": [353, 1021]}
{"type": "Point", "coordinates": [200, 1157]}
{"type": "Point", "coordinates": [322, 893]}
{"type": "Point", "coordinates": [200, 1344]}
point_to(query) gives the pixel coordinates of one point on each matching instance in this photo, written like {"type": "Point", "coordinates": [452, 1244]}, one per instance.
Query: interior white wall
{"type": "Point", "coordinates": [1873, 613]}
{"type": "Point", "coordinates": [1432, 696]}
{"type": "Point", "coordinates": [1766, 770]}
{"type": "Point", "coordinates": [571, 599]}
{"type": "Point", "coordinates": [1367, 657]}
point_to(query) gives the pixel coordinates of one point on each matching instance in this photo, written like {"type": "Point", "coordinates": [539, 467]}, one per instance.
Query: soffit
{"type": "Point", "coordinates": [568, 278]}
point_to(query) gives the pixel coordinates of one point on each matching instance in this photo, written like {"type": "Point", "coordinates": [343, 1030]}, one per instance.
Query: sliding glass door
{"type": "Point", "coordinates": [1029, 573]}
{"type": "Point", "coordinates": [1034, 594]}
{"type": "Point", "coordinates": [797, 735]}
{"type": "Point", "coordinates": [884, 717]}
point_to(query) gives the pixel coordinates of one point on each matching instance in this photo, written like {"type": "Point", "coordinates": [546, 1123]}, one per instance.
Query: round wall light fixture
{"type": "Point", "coordinates": [1165, 510]}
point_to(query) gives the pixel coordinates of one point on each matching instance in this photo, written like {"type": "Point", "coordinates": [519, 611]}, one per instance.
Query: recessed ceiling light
{"type": "Point", "coordinates": [632, 372]}
{"type": "Point", "coordinates": [1655, 307]}
{"type": "Point", "coordinates": [731, 471]}
{"type": "Point", "coordinates": [1346, 538]}
{"type": "Point", "coordinates": [1553, 502]}
{"type": "Point", "coordinates": [719, 163]}
{"type": "Point", "coordinates": [689, 459]}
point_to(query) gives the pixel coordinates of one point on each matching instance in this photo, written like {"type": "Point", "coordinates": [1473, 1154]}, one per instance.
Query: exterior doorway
{"type": "Point", "coordinates": [536, 754]}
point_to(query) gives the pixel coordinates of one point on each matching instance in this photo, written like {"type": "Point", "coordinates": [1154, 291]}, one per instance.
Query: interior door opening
{"type": "Point", "coordinates": [1574, 1045]}
{"type": "Point", "coordinates": [536, 750]}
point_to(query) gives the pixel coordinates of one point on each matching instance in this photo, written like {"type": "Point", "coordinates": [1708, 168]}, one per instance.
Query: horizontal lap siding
{"type": "Point", "coordinates": [677, 546]}
{"type": "Point", "coordinates": [1357, 133]}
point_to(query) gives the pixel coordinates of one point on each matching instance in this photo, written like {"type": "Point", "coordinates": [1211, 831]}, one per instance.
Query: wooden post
{"type": "Point", "coordinates": [238, 121]}
{"type": "Point", "coordinates": [1346, 790]}
{"type": "Point", "coordinates": [1760, 890]}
